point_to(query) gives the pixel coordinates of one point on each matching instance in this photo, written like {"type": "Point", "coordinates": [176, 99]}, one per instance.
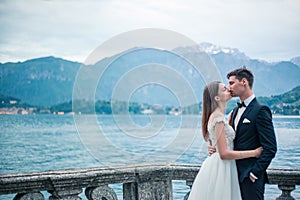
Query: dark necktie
{"type": "Point", "coordinates": [241, 104]}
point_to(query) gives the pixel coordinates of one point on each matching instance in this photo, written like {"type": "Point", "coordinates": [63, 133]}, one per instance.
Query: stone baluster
{"type": "Point", "coordinates": [29, 196]}
{"type": "Point", "coordinates": [100, 192]}
{"type": "Point", "coordinates": [65, 194]}
{"type": "Point", "coordinates": [286, 192]}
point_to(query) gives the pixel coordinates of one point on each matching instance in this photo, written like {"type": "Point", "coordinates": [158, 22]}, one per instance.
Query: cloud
{"type": "Point", "coordinates": [72, 29]}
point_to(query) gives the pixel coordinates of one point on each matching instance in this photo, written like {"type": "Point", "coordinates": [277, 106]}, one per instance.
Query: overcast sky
{"type": "Point", "coordinates": [72, 29]}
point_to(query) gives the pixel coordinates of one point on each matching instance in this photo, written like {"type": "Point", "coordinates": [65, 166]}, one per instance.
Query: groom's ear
{"type": "Point", "coordinates": [244, 81]}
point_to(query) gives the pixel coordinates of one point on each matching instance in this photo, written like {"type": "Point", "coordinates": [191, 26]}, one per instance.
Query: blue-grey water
{"type": "Point", "coordinates": [50, 142]}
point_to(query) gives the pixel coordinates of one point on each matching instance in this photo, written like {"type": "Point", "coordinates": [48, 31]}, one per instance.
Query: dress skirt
{"type": "Point", "coordinates": [216, 180]}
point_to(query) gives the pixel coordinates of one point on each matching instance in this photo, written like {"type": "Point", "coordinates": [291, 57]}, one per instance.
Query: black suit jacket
{"type": "Point", "coordinates": [255, 129]}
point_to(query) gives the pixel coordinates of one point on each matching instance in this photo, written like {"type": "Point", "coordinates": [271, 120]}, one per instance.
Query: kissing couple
{"type": "Point", "coordinates": [240, 150]}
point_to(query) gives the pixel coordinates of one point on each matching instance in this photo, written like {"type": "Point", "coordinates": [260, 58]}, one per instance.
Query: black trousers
{"type": "Point", "coordinates": [252, 191]}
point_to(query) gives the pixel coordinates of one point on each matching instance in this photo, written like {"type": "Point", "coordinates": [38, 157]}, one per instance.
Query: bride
{"type": "Point", "coordinates": [217, 178]}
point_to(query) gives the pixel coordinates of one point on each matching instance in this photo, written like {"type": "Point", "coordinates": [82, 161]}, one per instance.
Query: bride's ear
{"type": "Point", "coordinates": [217, 98]}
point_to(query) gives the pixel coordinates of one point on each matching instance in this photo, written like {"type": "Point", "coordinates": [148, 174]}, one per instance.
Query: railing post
{"type": "Point", "coordinates": [286, 192]}
{"type": "Point", "coordinates": [155, 190]}
{"type": "Point", "coordinates": [130, 191]}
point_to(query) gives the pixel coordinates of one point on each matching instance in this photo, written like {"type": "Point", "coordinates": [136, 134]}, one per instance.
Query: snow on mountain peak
{"type": "Point", "coordinates": [214, 49]}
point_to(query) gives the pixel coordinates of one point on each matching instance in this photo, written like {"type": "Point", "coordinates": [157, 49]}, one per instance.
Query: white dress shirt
{"type": "Point", "coordinates": [242, 109]}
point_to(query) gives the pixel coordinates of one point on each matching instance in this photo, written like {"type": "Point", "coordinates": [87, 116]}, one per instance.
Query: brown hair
{"type": "Point", "coordinates": [209, 104]}
{"type": "Point", "coordinates": [241, 73]}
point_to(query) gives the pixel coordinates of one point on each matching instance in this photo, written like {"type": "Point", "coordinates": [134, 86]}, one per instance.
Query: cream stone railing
{"type": "Point", "coordinates": [139, 181]}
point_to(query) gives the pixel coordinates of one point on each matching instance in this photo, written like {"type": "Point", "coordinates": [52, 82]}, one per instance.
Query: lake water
{"type": "Point", "coordinates": [50, 142]}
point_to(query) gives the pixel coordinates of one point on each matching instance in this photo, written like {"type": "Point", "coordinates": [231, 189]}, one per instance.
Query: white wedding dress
{"type": "Point", "coordinates": [217, 179]}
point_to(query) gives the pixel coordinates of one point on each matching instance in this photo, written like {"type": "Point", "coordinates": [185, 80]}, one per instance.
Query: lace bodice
{"type": "Point", "coordinates": [230, 133]}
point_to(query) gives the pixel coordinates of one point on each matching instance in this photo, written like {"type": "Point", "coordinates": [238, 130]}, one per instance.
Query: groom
{"type": "Point", "coordinates": [253, 125]}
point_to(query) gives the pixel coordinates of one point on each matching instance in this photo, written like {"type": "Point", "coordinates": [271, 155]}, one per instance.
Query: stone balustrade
{"type": "Point", "coordinates": [140, 181]}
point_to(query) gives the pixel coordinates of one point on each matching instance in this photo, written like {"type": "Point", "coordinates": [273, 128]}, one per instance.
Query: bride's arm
{"type": "Point", "coordinates": [226, 154]}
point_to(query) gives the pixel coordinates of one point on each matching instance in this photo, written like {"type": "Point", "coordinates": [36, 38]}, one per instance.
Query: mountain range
{"type": "Point", "coordinates": [49, 80]}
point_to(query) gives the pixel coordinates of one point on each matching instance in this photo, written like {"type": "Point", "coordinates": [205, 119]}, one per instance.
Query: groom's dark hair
{"type": "Point", "coordinates": [241, 73]}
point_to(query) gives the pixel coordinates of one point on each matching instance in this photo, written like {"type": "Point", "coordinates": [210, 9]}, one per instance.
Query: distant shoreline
{"type": "Point", "coordinates": [71, 114]}
{"type": "Point", "coordinates": [286, 116]}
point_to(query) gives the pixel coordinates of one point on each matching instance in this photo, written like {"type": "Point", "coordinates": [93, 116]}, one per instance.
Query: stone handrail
{"type": "Point", "coordinates": [140, 181]}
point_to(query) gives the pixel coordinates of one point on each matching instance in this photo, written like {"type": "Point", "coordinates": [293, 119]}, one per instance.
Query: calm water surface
{"type": "Point", "coordinates": [49, 142]}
